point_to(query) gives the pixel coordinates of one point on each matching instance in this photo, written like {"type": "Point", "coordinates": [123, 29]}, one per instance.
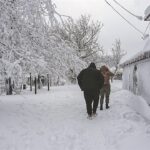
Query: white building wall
{"type": "Point", "coordinates": [143, 78]}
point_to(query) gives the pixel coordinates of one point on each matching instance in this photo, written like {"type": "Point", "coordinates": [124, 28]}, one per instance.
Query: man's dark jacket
{"type": "Point", "coordinates": [90, 79]}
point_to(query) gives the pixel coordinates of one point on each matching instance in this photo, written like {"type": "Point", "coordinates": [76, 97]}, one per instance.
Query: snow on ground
{"type": "Point", "coordinates": [57, 120]}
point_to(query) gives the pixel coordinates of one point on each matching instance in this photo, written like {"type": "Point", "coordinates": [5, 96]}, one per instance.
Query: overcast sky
{"type": "Point", "coordinates": [114, 26]}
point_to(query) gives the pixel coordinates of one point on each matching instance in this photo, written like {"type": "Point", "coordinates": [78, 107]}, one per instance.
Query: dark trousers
{"type": "Point", "coordinates": [105, 92]}
{"type": "Point", "coordinates": [91, 97]}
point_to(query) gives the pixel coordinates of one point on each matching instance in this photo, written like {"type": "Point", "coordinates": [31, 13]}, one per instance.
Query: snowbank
{"type": "Point", "coordinates": [137, 103]}
{"type": "Point", "coordinates": [57, 120]}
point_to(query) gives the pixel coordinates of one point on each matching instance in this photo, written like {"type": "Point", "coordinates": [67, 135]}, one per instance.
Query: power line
{"type": "Point", "coordinates": [124, 18]}
{"type": "Point", "coordinates": [138, 17]}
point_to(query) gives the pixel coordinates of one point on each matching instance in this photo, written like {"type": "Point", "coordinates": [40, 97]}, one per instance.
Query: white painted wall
{"type": "Point", "coordinates": [143, 78]}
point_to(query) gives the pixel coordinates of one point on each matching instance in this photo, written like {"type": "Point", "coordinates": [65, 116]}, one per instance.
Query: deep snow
{"type": "Point", "coordinates": [57, 120]}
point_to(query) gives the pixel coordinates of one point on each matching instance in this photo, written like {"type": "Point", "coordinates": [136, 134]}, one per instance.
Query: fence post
{"type": "Point", "coordinates": [7, 86]}
{"type": "Point", "coordinates": [30, 83]}
{"type": "Point", "coordinates": [38, 82]}
{"type": "Point", "coordinates": [48, 81]}
{"type": "Point", "coordinates": [35, 81]}
{"type": "Point", "coordinates": [10, 86]}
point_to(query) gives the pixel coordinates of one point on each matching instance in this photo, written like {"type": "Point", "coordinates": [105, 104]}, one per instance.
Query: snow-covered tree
{"type": "Point", "coordinates": [105, 59]}
{"type": "Point", "coordinates": [83, 35]}
{"type": "Point", "coordinates": [112, 60]}
{"type": "Point", "coordinates": [28, 43]}
{"type": "Point", "coordinates": [117, 54]}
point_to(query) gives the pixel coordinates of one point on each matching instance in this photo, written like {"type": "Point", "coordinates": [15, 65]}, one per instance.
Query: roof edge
{"type": "Point", "coordinates": [138, 58]}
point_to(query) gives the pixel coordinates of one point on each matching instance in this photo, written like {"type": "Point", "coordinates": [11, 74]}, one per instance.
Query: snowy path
{"type": "Point", "coordinates": [56, 120]}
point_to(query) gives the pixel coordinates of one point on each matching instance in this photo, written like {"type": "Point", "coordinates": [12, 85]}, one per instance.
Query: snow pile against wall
{"type": "Point", "coordinates": [137, 80]}
{"type": "Point", "coordinates": [137, 103]}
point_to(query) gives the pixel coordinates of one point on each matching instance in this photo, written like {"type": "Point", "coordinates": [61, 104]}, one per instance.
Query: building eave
{"type": "Point", "coordinates": [138, 58]}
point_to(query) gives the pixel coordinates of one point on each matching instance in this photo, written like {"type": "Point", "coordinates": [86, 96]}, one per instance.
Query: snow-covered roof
{"type": "Point", "coordinates": [138, 57]}
{"type": "Point", "coordinates": [143, 55]}
{"type": "Point", "coordinates": [147, 14]}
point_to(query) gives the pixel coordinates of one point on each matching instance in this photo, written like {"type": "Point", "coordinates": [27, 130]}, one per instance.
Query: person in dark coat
{"type": "Point", "coordinates": [90, 81]}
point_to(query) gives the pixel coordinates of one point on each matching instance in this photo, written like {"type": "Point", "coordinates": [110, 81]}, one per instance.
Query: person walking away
{"type": "Point", "coordinates": [105, 91]}
{"type": "Point", "coordinates": [90, 81]}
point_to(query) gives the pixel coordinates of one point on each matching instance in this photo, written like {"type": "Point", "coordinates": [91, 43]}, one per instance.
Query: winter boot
{"type": "Point", "coordinates": [89, 117]}
{"type": "Point", "coordinates": [94, 114]}
{"type": "Point", "coordinates": [107, 106]}
{"type": "Point", "coordinates": [101, 107]}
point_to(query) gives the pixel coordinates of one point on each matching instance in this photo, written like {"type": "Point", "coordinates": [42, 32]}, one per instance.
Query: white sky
{"type": "Point", "coordinates": [114, 25]}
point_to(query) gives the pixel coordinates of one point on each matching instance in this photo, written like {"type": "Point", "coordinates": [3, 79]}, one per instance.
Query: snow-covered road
{"type": "Point", "coordinates": [57, 120]}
